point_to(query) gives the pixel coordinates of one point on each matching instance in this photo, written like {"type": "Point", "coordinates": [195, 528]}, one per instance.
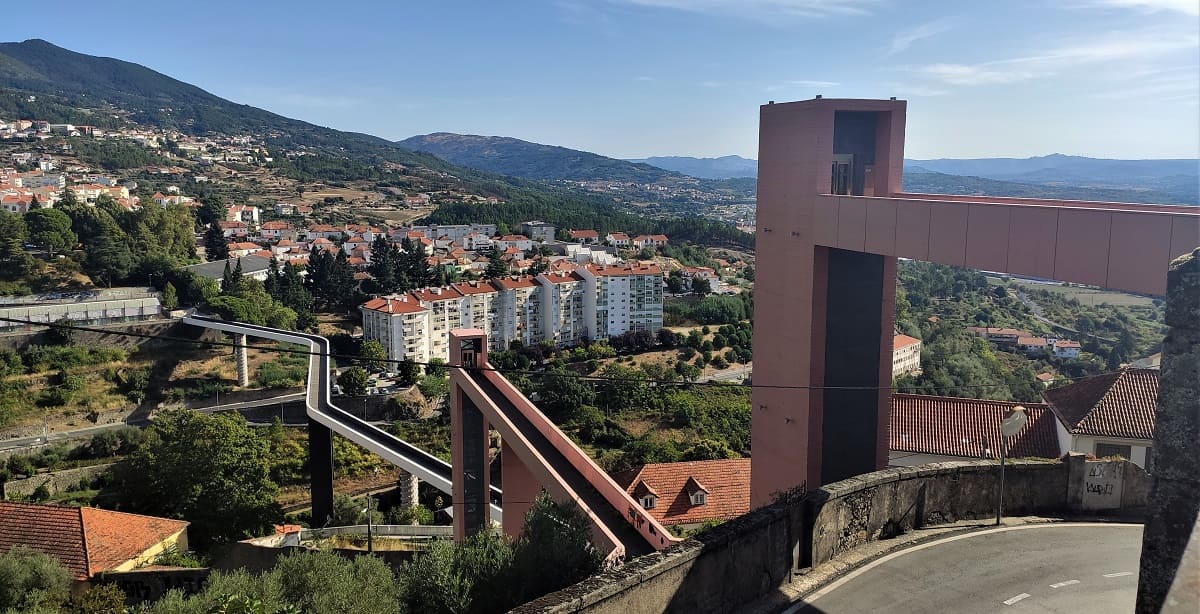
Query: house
{"type": "Point", "coordinates": [1108, 415]}
{"type": "Point", "coordinates": [999, 336]}
{"type": "Point", "coordinates": [692, 493]}
{"type": "Point", "coordinates": [618, 239]}
{"type": "Point", "coordinates": [1045, 379]}
{"type": "Point", "coordinates": [1065, 348]}
{"type": "Point", "coordinates": [241, 213]}
{"type": "Point", "coordinates": [643, 241]}
{"type": "Point", "coordinates": [906, 355]}
{"type": "Point", "coordinates": [520, 242]}
{"type": "Point", "coordinates": [234, 230]}
{"type": "Point", "coordinates": [584, 236]}
{"type": "Point", "coordinates": [538, 231]}
{"type": "Point", "coordinates": [276, 230]}
{"type": "Point", "coordinates": [88, 541]}
{"type": "Point", "coordinates": [1033, 346]}
{"type": "Point", "coordinates": [928, 429]}
{"type": "Point", "coordinates": [323, 231]}
{"type": "Point", "coordinates": [244, 248]}
{"type": "Point", "coordinates": [252, 266]}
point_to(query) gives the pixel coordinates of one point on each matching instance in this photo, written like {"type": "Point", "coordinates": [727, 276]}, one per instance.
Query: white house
{"type": "Point", "coordinates": [1108, 415]}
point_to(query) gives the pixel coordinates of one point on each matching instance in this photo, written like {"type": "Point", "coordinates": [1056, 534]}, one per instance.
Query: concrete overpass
{"type": "Point", "coordinates": [325, 418]}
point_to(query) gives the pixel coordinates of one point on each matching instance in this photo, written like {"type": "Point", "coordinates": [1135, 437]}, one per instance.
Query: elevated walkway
{"type": "Point", "coordinates": [321, 409]}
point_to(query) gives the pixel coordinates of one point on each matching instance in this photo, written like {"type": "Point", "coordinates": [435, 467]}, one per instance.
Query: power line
{"type": "Point", "coordinates": [577, 376]}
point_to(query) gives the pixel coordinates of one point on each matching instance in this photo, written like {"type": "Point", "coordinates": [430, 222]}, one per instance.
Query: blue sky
{"type": "Point", "coordinates": [630, 78]}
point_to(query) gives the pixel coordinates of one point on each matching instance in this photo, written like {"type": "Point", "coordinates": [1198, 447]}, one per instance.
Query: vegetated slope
{"type": "Point", "coordinates": [724, 167]}
{"type": "Point", "coordinates": [509, 156]}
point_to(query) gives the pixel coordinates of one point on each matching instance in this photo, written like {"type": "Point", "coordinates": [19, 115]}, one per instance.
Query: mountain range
{"type": "Point", "coordinates": [724, 167]}
{"type": "Point", "coordinates": [510, 156]}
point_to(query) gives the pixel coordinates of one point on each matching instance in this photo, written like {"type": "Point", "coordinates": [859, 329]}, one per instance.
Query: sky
{"type": "Point", "coordinates": [634, 78]}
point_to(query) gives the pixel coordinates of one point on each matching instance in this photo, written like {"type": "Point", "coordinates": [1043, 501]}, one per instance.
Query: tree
{"type": "Point", "coordinates": [212, 209]}
{"type": "Point", "coordinates": [51, 229]}
{"type": "Point", "coordinates": [32, 581]}
{"type": "Point", "coordinates": [216, 247]}
{"type": "Point", "coordinates": [14, 262]}
{"type": "Point", "coordinates": [408, 372]}
{"type": "Point", "coordinates": [210, 469]}
{"type": "Point", "coordinates": [373, 355]}
{"type": "Point", "coordinates": [109, 259]}
{"type": "Point", "coordinates": [675, 282]}
{"type": "Point", "coordinates": [496, 266]}
{"type": "Point", "coordinates": [561, 392]}
{"type": "Point", "coordinates": [701, 286]}
{"type": "Point", "coordinates": [170, 298]}
{"type": "Point", "coordinates": [554, 549]}
{"type": "Point", "coordinates": [354, 381]}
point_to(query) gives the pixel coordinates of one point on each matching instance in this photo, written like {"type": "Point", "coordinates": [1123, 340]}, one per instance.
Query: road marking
{"type": "Point", "coordinates": [1119, 574]}
{"type": "Point", "coordinates": [1062, 584]}
{"type": "Point", "coordinates": [1015, 599]}
{"type": "Point", "coordinates": [811, 597]}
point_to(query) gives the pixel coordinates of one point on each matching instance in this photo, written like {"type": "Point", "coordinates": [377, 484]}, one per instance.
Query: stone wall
{"type": "Point", "coordinates": [54, 481]}
{"type": "Point", "coordinates": [741, 561]}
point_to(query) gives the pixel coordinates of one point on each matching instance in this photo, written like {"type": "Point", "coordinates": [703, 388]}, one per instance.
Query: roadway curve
{"type": "Point", "coordinates": [319, 407]}
{"type": "Point", "coordinates": [1085, 567]}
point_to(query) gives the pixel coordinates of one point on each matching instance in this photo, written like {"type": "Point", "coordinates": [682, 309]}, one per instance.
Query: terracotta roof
{"type": "Point", "coordinates": [1033, 341]}
{"type": "Point", "coordinates": [583, 234]}
{"type": "Point", "coordinates": [625, 270]}
{"type": "Point", "coordinates": [727, 483]}
{"type": "Point", "coordinates": [953, 426]}
{"type": "Point", "coordinates": [474, 287]}
{"type": "Point", "coordinates": [512, 283]}
{"type": "Point", "coordinates": [900, 342]}
{"type": "Point", "coordinates": [561, 278]}
{"type": "Point", "coordinates": [1066, 343]}
{"type": "Point", "coordinates": [619, 236]}
{"type": "Point", "coordinates": [1045, 377]}
{"type": "Point", "coordinates": [1120, 404]}
{"type": "Point", "coordinates": [85, 540]}
{"type": "Point", "coordinates": [392, 304]}
{"type": "Point", "coordinates": [436, 294]}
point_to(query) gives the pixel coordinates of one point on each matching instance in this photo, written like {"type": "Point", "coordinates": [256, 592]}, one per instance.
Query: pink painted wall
{"type": "Point", "coordinates": [1115, 245]}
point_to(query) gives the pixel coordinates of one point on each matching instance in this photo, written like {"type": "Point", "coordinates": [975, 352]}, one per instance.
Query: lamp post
{"type": "Point", "coordinates": [1013, 422]}
{"type": "Point", "coordinates": [370, 533]}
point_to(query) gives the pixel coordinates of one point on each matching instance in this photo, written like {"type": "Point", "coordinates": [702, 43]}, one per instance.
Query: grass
{"type": "Point", "coordinates": [1086, 296]}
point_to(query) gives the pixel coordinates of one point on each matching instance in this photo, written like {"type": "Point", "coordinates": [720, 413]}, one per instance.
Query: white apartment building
{"type": "Point", "coordinates": [906, 355]}
{"type": "Point", "coordinates": [401, 324]}
{"type": "Point", "coordinates": [538, 230]}
{"type": "Point", "coordinates": [562, 308]}
{"type": "Point", "coordinates": [593, 302]}
{"type": "Point", "coordinates": [619, 299]}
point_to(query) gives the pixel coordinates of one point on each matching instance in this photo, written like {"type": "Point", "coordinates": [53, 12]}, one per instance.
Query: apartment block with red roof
{"type": "Point", "coordinates": [619, 299]}
{"type": "Point", "coordinates": [562, 307]}
{"type": "Point", "coordinates": [401, 324]}
{"type": "Point", "coordinates": [906, 355]}
{"type": "Point", "coordinates": [1108, 415]}
{"type": "Point", "coordinates": [88, 541]}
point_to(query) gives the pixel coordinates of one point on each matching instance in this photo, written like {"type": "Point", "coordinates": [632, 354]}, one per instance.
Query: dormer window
{"type": "Point", "coordinates": [648, 502]}
{"type": "Point", "coordinates": [696, 491]}
{"type": "Point", "coordinates": [699, 497]}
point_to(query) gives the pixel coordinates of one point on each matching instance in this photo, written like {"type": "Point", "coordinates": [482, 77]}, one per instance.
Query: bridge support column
{"type": "Point", "coordinates": [469, 440]}
{"type": "Point", "coordinates": [407, 487]}
{"type": "Point", "coordinates": [239, 355]}
{"type": "Point", "coordinates": [520, 489]}
{"type": "Point", "coordinates": [320, 463]}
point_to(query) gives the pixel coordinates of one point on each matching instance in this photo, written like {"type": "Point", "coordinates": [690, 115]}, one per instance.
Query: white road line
{"type": "Point", "coordinates": [829, 588]}
{"type": "Point", "coordinates": [1062, 584]}
{"type": "Point", "coordinates": [1015, 599]}
{"type": "Point", "coordinates": [1119, 574]}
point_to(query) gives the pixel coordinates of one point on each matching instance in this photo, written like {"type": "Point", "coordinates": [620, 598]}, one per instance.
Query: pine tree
{"type": "Point", "coordinates": [496, 267]}
{"type": "Point", "coordinates": [215, 245]}
{"type": "Point", "coordinates": [170, 298]}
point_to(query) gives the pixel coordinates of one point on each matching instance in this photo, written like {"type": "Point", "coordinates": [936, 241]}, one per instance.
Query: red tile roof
{"type": "Point", "coordinates": [390, 304]}
{"type": "Point", "coordinates": [436, 294]}
{"type": "Point", "coordinates": [474, 287]}
{"type": "Point", "coordinates": [561, 278]}
{"type": "Point", "coordinates": [512, 283]}
{"type": "Point", "coordinates": [727, 483]}
{"type": "Point", "coordinates": [85, 540]}
{"type": "Point", "coordinates": [1031, 341]}
{"type": "Point", "coordinates": [900, 342]}
{"type": "Point", "coordinates": [953, 426]}
{"type": "Point", "coordinates": [1120, 404]}
{"type": "Point", "coordinates": [626, 270]}
{"type": "Point", "coordinates": [583, 234]}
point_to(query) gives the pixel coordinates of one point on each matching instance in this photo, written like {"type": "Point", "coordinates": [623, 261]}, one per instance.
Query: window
{"type": "Point", "coordinates": [648, 502]}
{"type": "Point", "coordinates": [699, 498]}
{"type": "Point", "coordinates": [1104, 450]}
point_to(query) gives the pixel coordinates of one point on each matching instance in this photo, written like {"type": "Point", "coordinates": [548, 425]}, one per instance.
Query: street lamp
{"type": "Point", "coordinates": [370, 533]}
{"type": "Point", "coordinates": [1013, 422]}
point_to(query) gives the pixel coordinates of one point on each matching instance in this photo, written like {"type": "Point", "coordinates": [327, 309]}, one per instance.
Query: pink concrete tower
{"type": "Point", "coordinates": [832, 221]}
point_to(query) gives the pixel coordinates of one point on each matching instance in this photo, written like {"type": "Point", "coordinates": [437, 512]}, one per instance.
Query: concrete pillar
{"type": "Point", "coordinates": [520, 489]}
{"type": "Point", "coordinates": [1174, 501]}
{"type": "Point", "coordinates": [407, 487]}
{"type": "Point", "coordinates": [469, 452]}
{"type": "Point", "coordinates": [239, 355]}
{"type": "Point", "coordinates": [320, 464]}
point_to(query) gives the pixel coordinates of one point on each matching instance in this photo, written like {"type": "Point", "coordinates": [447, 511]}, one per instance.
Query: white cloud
{"type": "Point", "coordinates": [905, 38]}
{"type": "Point", "coordinates": [1123, 46]}
{"type": "Point", "coordinates": [1188, 7]}
{"type": "Point", "coordinates": [643, 78]}
{"type": "Point", "coordinates": [764, 10]}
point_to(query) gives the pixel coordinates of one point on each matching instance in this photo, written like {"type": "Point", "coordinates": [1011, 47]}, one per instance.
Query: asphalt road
{"type": "Point", "coordinates": [1034, 568]}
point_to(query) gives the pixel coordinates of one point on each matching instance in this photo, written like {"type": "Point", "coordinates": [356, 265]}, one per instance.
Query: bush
{"type": "Point", "coordinates": [100, 599]}
{"type": "Point", "coordinates": [417, 514]}
{"type": "Point", "coordinates": [31, 580]}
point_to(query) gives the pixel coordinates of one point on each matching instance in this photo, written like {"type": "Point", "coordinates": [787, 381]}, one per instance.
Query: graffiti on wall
{"type": "Point", "coordinates": [1102, 485]}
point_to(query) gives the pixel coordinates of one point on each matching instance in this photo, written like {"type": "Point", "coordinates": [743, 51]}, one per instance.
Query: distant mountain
{"type": "Point", "coordinates": [509, 156]}
{"type": "Point", "coordinates": [1177, 180]}
{"type": "Point", "coordinates": [919, 179]}
{"type": "Point", "coordinates": [70, 86]}
{"type": "Point", "coordinates": [724, 167]}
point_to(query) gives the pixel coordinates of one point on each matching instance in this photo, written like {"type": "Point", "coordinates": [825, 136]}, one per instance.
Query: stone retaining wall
{"type": "Point", "coordinates": [724, 569]}
{"type": "Point", "coordinates": [54, 481]}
